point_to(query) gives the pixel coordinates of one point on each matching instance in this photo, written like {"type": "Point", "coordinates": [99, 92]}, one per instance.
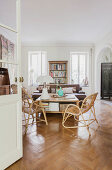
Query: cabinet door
{"type": "Point", "coordinates": [110, 80]}
{"type": "Point", "coordinates": [106, 79]}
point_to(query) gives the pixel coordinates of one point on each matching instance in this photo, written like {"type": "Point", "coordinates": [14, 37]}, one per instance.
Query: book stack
{"type": "Point", "coordinates": [57, 67]}
{"type": "Point", "coordinates": [58, 74]}
{"type": "Point", "coordinates": [58, 71]}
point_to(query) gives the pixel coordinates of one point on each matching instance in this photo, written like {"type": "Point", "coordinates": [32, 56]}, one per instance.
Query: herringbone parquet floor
{"type": "Point", "coordinates": [54, 148]}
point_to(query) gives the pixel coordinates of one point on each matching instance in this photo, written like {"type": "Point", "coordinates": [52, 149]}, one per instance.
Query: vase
{"type": "Point", "coordinates": [60, 92]}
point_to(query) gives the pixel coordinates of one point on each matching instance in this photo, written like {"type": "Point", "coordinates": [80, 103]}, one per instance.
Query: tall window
{"type": "Point", "coordinates": [79, 67]}
{"type": "Point", "coordinates": [37, 66]}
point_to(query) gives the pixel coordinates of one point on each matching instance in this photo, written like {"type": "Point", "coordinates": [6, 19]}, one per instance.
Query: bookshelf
{"type": "Point", "coordinates": [58, 71]}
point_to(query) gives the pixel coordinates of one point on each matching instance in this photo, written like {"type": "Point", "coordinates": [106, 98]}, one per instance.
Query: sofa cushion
{"type": "Point", "coordinates": [79, 96]}
{"type": "Point", "coordinates": [40, 88]}
{"type": "Point", "coordinates": [76, 87]}
{"type": "Point", "coordinates": [53, 90]}
{"type": "Point", "coordinates": [67, 90]}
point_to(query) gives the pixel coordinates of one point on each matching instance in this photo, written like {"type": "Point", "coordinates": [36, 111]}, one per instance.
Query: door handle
{"type": "Point", "coordinates": [16, 79]}
{"type": "Point", "coordinates": [21, 79]}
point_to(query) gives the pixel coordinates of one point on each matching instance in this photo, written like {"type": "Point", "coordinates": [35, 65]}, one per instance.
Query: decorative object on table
{"type": "Point", "coordinates": [57, 88]}
{"type": "Point", "coordinates": [57, 96]}
{"type": "Point", "coordinates": [45, 80]}
{"type": "Point", "coordinates": [60, 92]}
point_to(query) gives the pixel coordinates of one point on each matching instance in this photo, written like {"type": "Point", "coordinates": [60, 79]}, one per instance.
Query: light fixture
{"type": "Point", "coordinates": [45, 80]}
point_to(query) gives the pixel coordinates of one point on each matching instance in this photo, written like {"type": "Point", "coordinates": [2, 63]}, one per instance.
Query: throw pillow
{"type": "Point", "coordinates": [74, 90]}
{"type": "Point", "coordinates": [68, 90]}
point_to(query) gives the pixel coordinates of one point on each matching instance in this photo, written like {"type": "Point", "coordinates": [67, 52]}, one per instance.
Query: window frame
{"type": "Point", "coordinates": [30, 53]}
{"type": "Point", "coordinates": [86, 64]}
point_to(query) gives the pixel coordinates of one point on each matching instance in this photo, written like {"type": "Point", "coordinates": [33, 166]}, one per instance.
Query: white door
{"type": "Point", "coordinates": [10, 92]}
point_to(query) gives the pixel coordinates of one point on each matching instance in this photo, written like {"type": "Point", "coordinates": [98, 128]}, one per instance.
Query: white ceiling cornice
{"type": "Point", "coordinates": [58, 44]}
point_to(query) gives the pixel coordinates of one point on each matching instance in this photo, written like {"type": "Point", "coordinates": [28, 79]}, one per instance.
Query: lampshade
{"type": "Point", "coordinates": [43, 79]}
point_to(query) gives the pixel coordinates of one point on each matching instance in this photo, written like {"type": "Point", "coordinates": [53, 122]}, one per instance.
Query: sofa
{"type": "Point", "coordinates": [67, 88]}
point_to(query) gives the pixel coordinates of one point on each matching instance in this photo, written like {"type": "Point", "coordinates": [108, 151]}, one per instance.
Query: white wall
{"type": "Point", "coordinates": [59, 52]}
{"type": "Point", "coordinates": [103, 50]}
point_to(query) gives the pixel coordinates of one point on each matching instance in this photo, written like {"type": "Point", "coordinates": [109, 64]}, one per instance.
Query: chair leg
{"type": "Point", "coordinates": [27, 123]}
{"type": "Point", "coordinates": [63, 120]}
{"type": "Point", "coordinates": [32, 118]}
{"type": "Point", "coordinates": [28, 119]}
{"type": "Point", "coordinates": [88, 131]}
{"type": "Point", "coordinates": [44, 113]}
{"type": "Point", "coordinates": [86, 125]}
{"type": "Point", "coordinates": [36, 116]}
{"type": "Point", "coordinates": [65, 117]}
{"type": "Point", "coordinates": [93, 111]}
{"type": "Point", "coordinates": [24, 118]}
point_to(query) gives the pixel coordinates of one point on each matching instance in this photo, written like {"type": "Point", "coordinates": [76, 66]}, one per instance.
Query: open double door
{"type": "Point", "coordinates": [10, 87]}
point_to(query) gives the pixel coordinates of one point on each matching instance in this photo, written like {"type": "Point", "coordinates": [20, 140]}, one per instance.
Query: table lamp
{"type": "Point", "coordinates": [45, 80]}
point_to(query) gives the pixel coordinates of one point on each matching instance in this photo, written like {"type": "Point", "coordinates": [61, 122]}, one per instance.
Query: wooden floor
{"type": "Point", "coordinates": [54, 148]}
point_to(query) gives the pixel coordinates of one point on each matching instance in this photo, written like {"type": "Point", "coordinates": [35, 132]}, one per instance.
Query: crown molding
{"type": "Point", "coordinates": [58, 44]}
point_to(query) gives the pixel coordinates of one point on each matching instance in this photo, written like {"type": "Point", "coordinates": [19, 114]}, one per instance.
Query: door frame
{"type": "Point", "coordinates": [16, 154]}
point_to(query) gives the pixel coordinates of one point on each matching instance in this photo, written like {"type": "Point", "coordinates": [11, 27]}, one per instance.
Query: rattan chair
{"type": "Point", "coordinates": [76, 112]}
{"type": "Point", "coordinates": [32, 108]}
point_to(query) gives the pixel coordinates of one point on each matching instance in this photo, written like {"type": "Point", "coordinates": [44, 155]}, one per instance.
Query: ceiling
{"type": "Point", "coordinates": [61, 20]}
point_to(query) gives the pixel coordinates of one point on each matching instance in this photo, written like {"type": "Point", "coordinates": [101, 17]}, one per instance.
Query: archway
{"type": "Point", "coordinates": [105, 55]}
